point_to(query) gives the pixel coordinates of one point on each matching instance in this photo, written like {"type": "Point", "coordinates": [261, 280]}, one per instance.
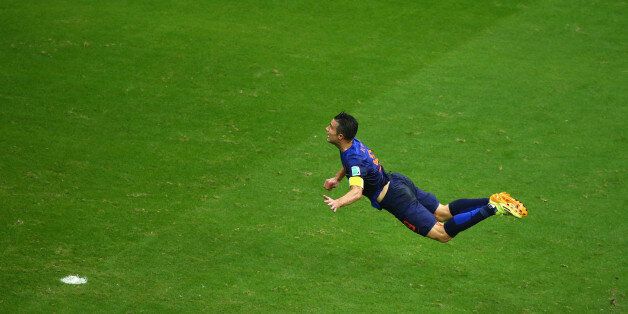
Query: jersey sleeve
{"type": "Point", "coordinates": [355, 173]}
{"type": "Point", "coordinates": [354, 167]}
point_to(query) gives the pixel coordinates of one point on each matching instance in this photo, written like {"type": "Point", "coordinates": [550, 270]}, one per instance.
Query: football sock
{"type": "Point", "coordinates": [464, 205]}
{"type": "Point", "coordinates": [468, 219]}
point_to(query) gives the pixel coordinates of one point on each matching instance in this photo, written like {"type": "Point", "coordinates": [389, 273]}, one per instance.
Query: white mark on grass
{"type": "Point", "coordinates": [74, 280]}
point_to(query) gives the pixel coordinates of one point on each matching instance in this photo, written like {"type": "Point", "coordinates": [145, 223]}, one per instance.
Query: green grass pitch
{"type": "Point", "coordinates": [173, 152]}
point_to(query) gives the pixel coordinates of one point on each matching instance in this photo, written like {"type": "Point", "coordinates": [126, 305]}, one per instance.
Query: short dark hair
{"type": "Point", "coordinates": [347, 125]}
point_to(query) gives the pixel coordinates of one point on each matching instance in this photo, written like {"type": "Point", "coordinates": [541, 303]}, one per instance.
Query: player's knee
{"type": "Point", "coordinates": [438, 233]}
{"type": "Point", "coordinates": [442, 213]}
{"type": "Point", "coordinates": [441, 216]}
{"type": "Point", "coordinates": [442, 237]}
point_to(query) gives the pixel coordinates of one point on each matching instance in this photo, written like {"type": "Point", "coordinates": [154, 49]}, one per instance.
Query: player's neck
{"type": "Point", "coordinates": [343, 146]}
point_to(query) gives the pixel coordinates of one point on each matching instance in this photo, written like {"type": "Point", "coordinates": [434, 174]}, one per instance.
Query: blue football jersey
{"type": "Point", "coordinates": [359, 161]}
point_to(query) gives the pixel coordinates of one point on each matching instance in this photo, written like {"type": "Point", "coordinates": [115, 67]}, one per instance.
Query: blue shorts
{"type": "Point", "coordinates": [412, 206]}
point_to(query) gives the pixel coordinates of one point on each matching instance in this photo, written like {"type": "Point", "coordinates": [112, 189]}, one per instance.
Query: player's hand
{"type": "Point", "coordinates": [330, 184]}
{"type": "Point", "coordinates": [332, 203]}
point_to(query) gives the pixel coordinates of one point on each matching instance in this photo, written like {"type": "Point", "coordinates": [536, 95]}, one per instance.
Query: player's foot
{"type": "Point", "coordinates": [507, 205]}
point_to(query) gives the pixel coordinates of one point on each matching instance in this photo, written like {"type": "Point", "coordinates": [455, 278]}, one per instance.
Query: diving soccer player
{"type": "Point", "coordinates": [420, 211]}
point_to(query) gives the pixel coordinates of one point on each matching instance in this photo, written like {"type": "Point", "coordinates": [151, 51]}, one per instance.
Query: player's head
{"type": "Point", "coordinates": [342, 127]}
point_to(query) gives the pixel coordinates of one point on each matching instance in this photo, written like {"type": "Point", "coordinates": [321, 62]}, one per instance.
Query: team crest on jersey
{"type": "Point", "coordinates": [355, 171]}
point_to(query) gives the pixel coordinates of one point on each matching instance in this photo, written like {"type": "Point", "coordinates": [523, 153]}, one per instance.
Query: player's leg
{"type": "Point", "coordinates": [466, 220]}
{"type": "Point", "coordinates": [466, 204]}
{"type": "Point", "coordinates": [445, 212]}
{"type": "Point", "coordinates": [459, 206]}
{"type": "Point", "coordinates": [420, 220]}
{"type": "Point", "coordinates": [506, 205]}
{"type": "Point", "coordinates": [466, 213]}
{"type": "Point", "coordinates": [458, 223]}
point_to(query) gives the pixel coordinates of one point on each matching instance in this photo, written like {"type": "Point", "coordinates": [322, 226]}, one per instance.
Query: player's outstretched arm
{"type": "Point", "coordinates": [353, 195]}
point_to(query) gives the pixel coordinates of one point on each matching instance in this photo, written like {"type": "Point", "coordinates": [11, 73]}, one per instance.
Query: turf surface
{"type": "Point", "coordinates": [173, 152]}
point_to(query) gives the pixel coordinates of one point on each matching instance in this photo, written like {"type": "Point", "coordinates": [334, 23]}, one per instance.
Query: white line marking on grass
{"type": "Point", "coordinates": [74, 280]}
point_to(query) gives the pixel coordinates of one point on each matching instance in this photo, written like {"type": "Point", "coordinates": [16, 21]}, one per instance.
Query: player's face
{"type": "Point", "coordinates": [332, 131]}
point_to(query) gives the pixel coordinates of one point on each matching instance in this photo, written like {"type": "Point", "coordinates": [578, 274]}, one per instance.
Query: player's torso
{"type": "Point", "coordinates": [360, 161]}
